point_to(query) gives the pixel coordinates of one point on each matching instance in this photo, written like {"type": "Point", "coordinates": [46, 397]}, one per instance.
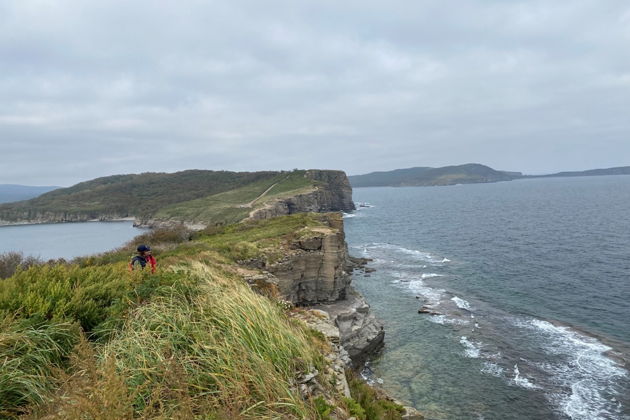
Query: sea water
{"type": "Point", "coordinates": [530, 283]}
{"type": "Point", "coordinates": [66, 240]}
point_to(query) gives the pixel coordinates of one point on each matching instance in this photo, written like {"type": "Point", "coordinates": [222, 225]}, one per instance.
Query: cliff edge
{"type": "Point", "coordinates": [315, 270]}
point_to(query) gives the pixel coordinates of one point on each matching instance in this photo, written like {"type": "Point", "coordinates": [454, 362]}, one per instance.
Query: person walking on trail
{"type": "Point", "coordinates": [143, 258]}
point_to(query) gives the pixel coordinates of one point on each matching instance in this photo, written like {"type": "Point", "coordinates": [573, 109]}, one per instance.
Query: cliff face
{"type": "Point", "coordinates": [332, 193]}
{"type": "Point", "coordinates": [318, 271]}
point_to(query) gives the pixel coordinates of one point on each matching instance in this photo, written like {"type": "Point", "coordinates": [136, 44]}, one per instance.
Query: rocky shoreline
{"type": "Point", "coordinates": [316, 275]}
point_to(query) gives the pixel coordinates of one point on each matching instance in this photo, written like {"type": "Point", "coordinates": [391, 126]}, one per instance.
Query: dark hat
{"type": "Point", "coordinates": [143, 248]}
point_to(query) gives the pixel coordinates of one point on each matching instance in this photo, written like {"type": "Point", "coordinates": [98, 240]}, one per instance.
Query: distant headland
{"type": "Point", "coordinates": [470, 173]}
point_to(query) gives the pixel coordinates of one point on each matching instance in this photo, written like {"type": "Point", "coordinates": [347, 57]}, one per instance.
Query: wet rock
{"type": "Point", "coordinates": [411, 414]}
{"type": "Point", "coordinates": [361, 334]}
{"type": "Point", "coordinates": [427, 310]}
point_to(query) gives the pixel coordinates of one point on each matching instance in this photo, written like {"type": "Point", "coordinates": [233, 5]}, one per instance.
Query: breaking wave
{"type": "Point", "coordinates": [461, 303]}
{"type": "Point", "coordinates": [586, 375]}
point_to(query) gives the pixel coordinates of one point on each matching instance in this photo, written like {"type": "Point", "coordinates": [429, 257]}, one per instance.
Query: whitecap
{"type": "Point", "coordinates": [461, 303]}
{"type": "Point", "coordinates": [421, 255]}
{"type": "Point", "coordinates": [430, 275]}
{"type": "Point", "coordinates": [470, 349]}
{"type": "Point", "coordinates": [492, 369]}
{"type": "Point", "coordinates": [432, 295]}
{"type": "Point", "coordinates": [349, 215]}
{"type": "Point", "coordinates": [444, 320]}
{"type": "Point", "coordinates": [522, 381]}
{"type": "Point", "coordinates": [581, 369]}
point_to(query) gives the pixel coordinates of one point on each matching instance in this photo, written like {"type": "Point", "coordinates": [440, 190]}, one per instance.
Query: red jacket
{"type": "Point", "coordinates": [140, 259]}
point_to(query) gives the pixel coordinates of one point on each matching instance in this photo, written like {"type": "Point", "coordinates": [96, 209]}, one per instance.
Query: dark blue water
{"type": "Point", "coordinates": [66, 240]}
{"type": "Point", "coordinates": [531, 283]}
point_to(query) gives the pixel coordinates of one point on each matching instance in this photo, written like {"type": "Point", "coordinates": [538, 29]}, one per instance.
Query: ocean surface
{"type": "Point", "coordinates": [66, 240]}
{"type": "Point", "coordinates": [530, 283]}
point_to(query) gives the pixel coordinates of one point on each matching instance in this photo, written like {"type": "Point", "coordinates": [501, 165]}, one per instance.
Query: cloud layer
{"type": "Point", "coordinates": [96, 88]}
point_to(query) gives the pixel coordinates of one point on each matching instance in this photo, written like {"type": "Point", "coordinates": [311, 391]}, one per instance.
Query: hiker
{"type": "Point", "coordinates": [144, 256]}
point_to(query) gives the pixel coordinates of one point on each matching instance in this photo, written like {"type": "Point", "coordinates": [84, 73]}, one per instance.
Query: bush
{"type": "Point", "coordinates": [375, 405]}
{"type": "Point", "coordinates": [175, 234]}
{"type": "Point", "coordinates": [10, 262]}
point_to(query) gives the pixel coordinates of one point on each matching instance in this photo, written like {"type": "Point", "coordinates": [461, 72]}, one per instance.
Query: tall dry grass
{"type": "Point", "coordinates": [222, 352]}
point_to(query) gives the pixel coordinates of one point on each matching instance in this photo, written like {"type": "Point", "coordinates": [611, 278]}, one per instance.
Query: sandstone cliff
{"type": "Point", "coordinates": [317, 270]}
{"type": "Point", "coordinates": [331, 193]}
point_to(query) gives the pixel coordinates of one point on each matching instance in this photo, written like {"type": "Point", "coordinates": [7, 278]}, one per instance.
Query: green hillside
{"type": "Point", "coordinates": [144, 195]}
{"type": "Point", "coordinates": [424, 176]}
{"type": "Point", "coordinates": [91, 340]}
{"type": "Point", "coordinates": [234, 205]}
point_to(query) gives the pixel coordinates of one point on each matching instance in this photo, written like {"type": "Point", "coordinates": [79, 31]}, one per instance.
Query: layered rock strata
{"type": "Point", "coordinates": [317, 272]}
{"type": "Point", "coordinates": [331, 193]}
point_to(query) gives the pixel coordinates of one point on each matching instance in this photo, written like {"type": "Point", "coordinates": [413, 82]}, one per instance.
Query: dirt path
{"type": "Point", "coordinates": [251, 203]}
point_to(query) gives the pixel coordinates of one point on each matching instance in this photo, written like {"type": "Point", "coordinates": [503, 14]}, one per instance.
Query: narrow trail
{"type": "Point", "coordinates": [251, 203]}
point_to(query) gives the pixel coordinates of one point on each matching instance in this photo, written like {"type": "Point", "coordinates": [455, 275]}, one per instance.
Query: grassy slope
{"type": "Point", "coordinates": [233, 206]}
{"type": "Point", "coordinates": [195, 326]}
{"type": "Point", "coordinates": [132, 195]}
{"type": "Point", "coordinates": [89, 339]}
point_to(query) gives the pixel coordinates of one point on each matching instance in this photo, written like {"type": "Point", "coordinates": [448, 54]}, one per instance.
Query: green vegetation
{"type": "Point", "coordinates": [10, 262]}
{"type": "Point", "coordinates": [191, 341]}
{"type": "Point", "coordinates": [449, 175]}
{"type": "Point", "coordinates": [145, 194]}
{"type": "Point", "coordinates": [373, 404]}
{"type": "Point", "coordinates": [88, 339]}
{"type": "Point", "coordinates": [235, 205]}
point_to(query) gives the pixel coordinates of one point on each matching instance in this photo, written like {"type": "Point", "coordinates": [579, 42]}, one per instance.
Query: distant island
{"type": "Point", "coordinates": [471, 173]}
{"type": "Point", "coordinates": [14, 192]}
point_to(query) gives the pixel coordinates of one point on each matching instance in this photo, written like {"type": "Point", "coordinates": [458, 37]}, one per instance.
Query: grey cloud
{"type": "Point", "coordinates": [95, 88]}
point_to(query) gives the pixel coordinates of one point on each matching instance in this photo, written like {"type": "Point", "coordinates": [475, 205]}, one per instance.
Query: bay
{"type": "Point", "coordinates": [531, 280]}
{"type": "Point", "coordinates": [66, 240]}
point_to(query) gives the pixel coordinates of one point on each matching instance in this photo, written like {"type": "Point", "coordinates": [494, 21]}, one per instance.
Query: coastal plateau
{"type": "Point", "coordinates": [256, 319]}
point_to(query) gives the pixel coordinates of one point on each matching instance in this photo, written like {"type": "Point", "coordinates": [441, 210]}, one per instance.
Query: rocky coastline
{"type": "Point", "coordinates": [316, 275]}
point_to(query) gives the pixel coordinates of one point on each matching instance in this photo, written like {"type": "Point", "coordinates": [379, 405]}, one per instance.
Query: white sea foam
{"type": "Point", "coordinates": [444, 320]}
{"type": "Point", "coordinates": [470, 349]}
{"type": "Point", "coordinates": [430, 275]}
{"type": "Point", "coordinates": [349, 215]}
{"type": "Point", "coordinates": [417, 254]}
{"type": "Point", "coordinates": [461, 303]}
{"type": "Point", "coordinates": [432, 295]}
{"type": "Point", "coordinates": [492, 369]}
{"type": "Point", "coordinates": [522, 381]}
{"type": "Point", "coordinates": [581, 369]}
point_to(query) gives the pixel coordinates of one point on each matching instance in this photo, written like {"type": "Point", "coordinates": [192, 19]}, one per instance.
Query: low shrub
{"type": "Point", "coordinates": [10, 262]}
{"type": "Point", "coordinates": [375, 405]}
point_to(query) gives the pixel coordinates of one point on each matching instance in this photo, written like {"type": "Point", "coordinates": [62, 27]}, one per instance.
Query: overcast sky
{"type": "Point", "coordinates": [94, 88]}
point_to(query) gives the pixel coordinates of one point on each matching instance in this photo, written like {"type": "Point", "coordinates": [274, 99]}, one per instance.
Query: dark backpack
{"type": "Point", "coordinates": [138, 260]}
